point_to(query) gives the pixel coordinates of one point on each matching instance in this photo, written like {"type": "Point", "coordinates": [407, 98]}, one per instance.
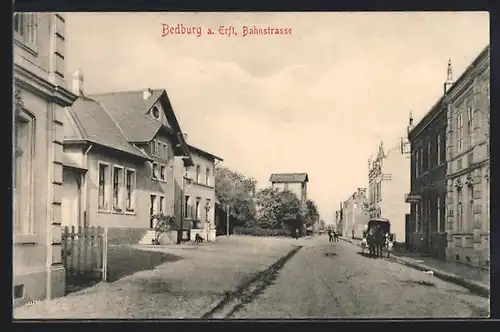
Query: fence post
{"type": "Point", "coordinates": [105, 255]}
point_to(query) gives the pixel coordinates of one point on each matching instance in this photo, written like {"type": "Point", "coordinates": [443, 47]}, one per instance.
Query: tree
{"type": "Point", "coordinates": [235, 190]}
{"type": "Point", "coordinates": [279, 209]}
{"type": "Point", "coordinates": [312, 214]}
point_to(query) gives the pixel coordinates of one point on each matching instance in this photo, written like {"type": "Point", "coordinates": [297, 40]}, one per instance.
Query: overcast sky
{"type": "Point", "coordinates": [318, 101]}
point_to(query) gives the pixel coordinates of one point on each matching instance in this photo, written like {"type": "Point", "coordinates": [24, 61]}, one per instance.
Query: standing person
{"type": "Point", "coordinates": [330, 235]}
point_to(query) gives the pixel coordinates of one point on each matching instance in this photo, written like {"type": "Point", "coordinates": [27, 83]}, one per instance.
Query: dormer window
{"type": "Point", "coordinates": [155, 112]}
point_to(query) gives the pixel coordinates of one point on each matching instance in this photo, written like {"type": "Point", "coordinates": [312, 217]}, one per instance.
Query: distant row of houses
{"type": "Point", "coordinates": [434, 185]}
{"type": "Point", "coordinates": [109, 160]}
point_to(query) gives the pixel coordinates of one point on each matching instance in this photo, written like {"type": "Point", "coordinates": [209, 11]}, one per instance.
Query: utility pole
{"type": "Point", "coordinates": [227, 220]}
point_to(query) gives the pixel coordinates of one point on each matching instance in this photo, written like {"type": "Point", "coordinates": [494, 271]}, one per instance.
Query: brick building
{"type": "Point", "coordinates": [468, 168]}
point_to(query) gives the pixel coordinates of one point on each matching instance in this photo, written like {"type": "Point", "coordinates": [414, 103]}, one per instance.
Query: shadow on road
{"type": "Point", "coordinates": [367, 255]}
{"type": "Point", "coordinates": [124, 261]}
{"type": "Point", "coordinates": [419, 283]}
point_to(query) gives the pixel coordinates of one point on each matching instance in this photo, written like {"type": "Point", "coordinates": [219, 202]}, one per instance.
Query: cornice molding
{"type": "Point", "coordinates": [30, 81]}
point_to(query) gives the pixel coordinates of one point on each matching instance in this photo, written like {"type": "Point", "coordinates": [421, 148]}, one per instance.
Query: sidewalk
{"type": "Point", "coordinates": [186, 288]}
{"type": "Point", "coordinates": [475, 279]}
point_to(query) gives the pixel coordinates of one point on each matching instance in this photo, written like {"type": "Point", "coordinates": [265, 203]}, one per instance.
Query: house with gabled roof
{"type": "Point", "coordinates": [295, 182]}
{"type": "Point", "coordinates": [125, 157]}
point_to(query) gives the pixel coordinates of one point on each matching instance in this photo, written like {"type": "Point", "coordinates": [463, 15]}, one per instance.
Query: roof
{"type": "Point", "coordinates": [440, 105]}
{"type": "Point", "coordinates": [194, 148]}
{"type": "Point", "coordinates": [379, 219]}
{"type": "Point", "coordinates": [289, 177]}
{"type": "Point", "coordinates": [93, 124]}
{"type": "Point", "coordinates": [129, 109]}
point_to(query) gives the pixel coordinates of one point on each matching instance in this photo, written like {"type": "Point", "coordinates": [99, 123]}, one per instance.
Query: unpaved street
{"type": "Point", "coordinates": [325, 280]}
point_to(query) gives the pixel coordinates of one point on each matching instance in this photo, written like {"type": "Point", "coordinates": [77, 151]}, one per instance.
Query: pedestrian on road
{"type": "Point", "coordinates": [330, 235]}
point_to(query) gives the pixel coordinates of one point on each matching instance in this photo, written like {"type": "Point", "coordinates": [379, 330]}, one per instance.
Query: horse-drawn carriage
{"type": "Point", "coordinates": [377, 237]}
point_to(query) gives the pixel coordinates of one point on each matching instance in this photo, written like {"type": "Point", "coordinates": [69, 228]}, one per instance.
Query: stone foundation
{"type": "Point", "coordinates": [34, 284]}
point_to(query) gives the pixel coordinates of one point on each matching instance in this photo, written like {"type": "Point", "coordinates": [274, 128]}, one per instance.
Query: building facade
{"type": "Point", "coordinates": [199, 195]}
{"type": "Point", "coordinates": [294, 182]}
{"type": "Point", "coordinates": [468, 167]}
{"type": "Point", "coordinates": [41, 93]}
{"type": "Point", "coordinates": [389, 179]}
{"type": "Point", "coordinates": [355, 214]}
{"type": "Point", "coordinates": [427, 197]}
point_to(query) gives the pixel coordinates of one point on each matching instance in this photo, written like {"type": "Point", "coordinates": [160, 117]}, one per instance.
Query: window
{"type": "Point", "coordinates": [25, 28]}
{"type": "Point", "coordinates": [103, 186]}
{"type": "Point", "coordinates": [165, 151]}
{"type": "Point", "coordinates": [130, 190]}
{"type": "Point", "coordinates": [159, 151]}
{"type": "Point", "coordinates": [438, 146]}
{"type": "Point", "coordinates": [152, 204]}
{"type": "Point", "coordinates": [429, 164]}
{"type": "Point", "coordinates": [162, 203]}
{"type": "Point", "coordinates": [117, 184]}
{"type": "Point", "coordinates": [187, 203]}
{"type": "Point", "coordinates": [154, 174]}
{"type": "Point", "coordinates": [421, 151]}
{"type": "Point", "coordinates": [469, 120]}
{"type": "Point", "coordinates": [163, 172]}
{"type": "Point", "coordinates": [23, 174]}
{"type": "Point", "coordinates": [153, 148]}
{"type": "Point", "coordinates": [156, 112]}
{"type": "Point", "coordinates": [417, 163]}
{"type": "Point", "coordinates": [459, 209]}
{"type": "Point", "coordinates": [208, 202]}
{"type": "Point", "coordinates": [438, 213]}
{"type": "Point", "coordinates": [417, 217]}
{"type": "Point", "coordinates": [197, 174]}
{"type": "Point", "coordinates": [207, 177]}
{"type": "Point", "coordinates": [470, 208]}
{"type": "Point", "coordinates": [459, 133]}
{"type": "Point", "coordinates": [197, 208]}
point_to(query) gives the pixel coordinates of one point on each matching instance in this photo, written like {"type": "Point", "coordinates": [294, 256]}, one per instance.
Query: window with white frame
{"type": "Point", "coordinates": [154, 170]}
{"type": "Point", "coordinates": [165, 151]}
{"type": "Point", "coordinates": [153, 148]}
{"type": "Point", "coordinates": [163, 173]}
{"type": "Point", "coordinates": [197, 208]}
{"type": "Point", "coordinates": [459, 133]}
{"type": "Point", "coordinates": [117, 188]}
{"type": "Point", "coordinates": [129, 190]}
{"type": "Point", "coordinates": [198, 174]}
{"type": "Point", "coordinates": [208, 202]}
{"type": "Point", "coordinates": [187, 206]}
{"type": "Point", "coordinates": [25, 25]}
{"type": "Point", "coordinates": [104, 179]}
{"type": "Point", "coordinates": [23, 181]}
{"type": "Point", "coordinates": [159, 148]}
{"type": "Point", "coordinates": [162, 204]}
{"type": "Point", "coordinates": [459, 209]}
{"type": "Point", "coordinates": [207, 176]}
{"type": "Point", "coordinates": [152, 204]}
{"type": "Point", "coordinates": [469, 122]}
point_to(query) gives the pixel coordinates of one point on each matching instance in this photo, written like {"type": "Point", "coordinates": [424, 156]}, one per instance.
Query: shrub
{"type": "Point", "coordinates": [261, 231]}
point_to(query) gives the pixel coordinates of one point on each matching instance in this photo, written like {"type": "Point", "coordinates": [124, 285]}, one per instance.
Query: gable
{"type": "Point", "coordinates": [131, 111]}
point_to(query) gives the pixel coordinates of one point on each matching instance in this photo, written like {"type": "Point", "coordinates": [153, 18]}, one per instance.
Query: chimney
{"type": "Point", "coordinates": [146, 93]}
{"type": "Point", "coordinates": [449, 78]}
{"type": "Point", "coordinates": [77, 86]}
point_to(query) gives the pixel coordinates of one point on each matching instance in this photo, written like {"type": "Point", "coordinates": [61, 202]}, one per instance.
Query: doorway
{"type": "Point", "coordinates": [71, 203]}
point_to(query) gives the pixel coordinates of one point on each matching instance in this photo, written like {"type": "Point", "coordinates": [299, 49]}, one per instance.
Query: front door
{"type": "Point", "coordinates": [71, 200]}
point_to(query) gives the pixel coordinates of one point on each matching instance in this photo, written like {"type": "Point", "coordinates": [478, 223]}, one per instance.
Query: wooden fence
{"type": "Point", "coordinates": [84, 255]}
